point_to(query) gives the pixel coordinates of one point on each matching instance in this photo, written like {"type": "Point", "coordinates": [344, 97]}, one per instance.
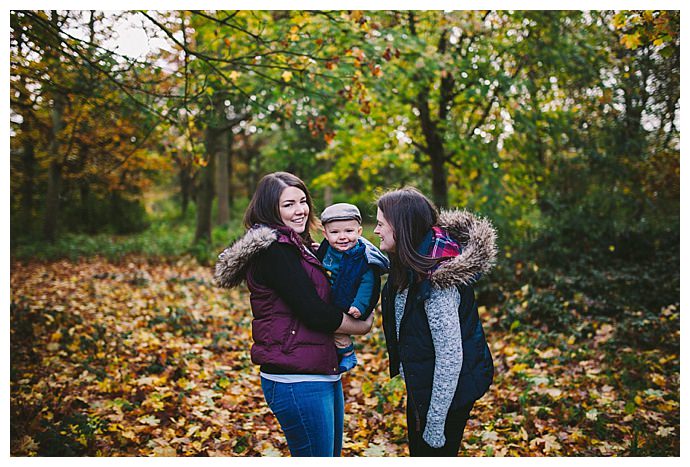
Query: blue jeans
{"type": "Point", "coordinates": [310, 414]}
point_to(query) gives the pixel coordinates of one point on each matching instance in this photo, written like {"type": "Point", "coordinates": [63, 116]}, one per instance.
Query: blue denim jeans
{"type": "Point", "coordinates": [310, 414]}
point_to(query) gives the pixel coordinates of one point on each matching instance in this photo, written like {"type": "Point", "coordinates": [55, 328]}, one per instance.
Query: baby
{"type": "Point", "coordinates": [354, 266]}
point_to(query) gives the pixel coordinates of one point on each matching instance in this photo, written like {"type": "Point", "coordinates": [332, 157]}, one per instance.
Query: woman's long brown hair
{"type": "Point", "coordinates": [411, 215]}
{"type": "Point", "coordinates": [264, 206]}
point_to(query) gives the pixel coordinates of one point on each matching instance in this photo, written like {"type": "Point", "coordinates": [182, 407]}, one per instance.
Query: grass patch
{"type": "Point", "coordinates": [169, 235]}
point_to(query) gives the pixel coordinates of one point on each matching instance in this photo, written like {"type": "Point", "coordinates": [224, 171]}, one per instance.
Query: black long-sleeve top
{"type": "Point", "coordinates": [279, 268]}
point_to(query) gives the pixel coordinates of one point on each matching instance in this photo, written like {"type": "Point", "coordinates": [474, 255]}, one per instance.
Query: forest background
{"type": "Point", "coordinates": [128, 175]}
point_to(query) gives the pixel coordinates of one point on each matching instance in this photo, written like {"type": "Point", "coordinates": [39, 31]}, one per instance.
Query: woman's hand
{"type": "Point", "coordinates": [342, 340]}
{"type": "Point", "coordinates": [434, 435]}
{"type": "Point", "coordinates": [369, 322]}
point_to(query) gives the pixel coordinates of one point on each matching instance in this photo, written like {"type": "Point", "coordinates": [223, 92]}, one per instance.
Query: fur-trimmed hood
{"type": "Point", "coordinates": [477, 238]}
{"type": "Point", "coordinates": [231, 267]}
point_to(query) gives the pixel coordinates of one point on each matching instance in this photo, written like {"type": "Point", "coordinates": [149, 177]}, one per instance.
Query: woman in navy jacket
{"type": "Point", "coordinates": [433, 334]}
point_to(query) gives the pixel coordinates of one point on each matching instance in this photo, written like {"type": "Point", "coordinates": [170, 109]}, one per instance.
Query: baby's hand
{"type": "Point", "coordinates": [354, 312]}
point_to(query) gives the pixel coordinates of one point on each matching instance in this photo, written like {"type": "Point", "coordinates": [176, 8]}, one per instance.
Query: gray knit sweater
{"type": "Point", "coordinates": [442, 313]}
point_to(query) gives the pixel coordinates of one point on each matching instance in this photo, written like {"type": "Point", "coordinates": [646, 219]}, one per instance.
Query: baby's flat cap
{"type": "Point", "coordinates": [340, 212]}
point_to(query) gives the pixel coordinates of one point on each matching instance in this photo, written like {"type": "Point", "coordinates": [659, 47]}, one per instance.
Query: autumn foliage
{"type": "Point", "coordinates": [148, 358]}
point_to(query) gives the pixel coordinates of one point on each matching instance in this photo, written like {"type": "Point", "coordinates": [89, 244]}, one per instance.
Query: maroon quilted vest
{"type": "Point", "coordinates": [280, 339]}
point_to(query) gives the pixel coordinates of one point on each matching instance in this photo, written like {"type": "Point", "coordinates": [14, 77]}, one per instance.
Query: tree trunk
{"type": "Point", "coordinates": [186, 180]}
{"type": "Point", "coordinates": [222, 179]}
{"type": "Point", "coordinates": [86, 211]}
{"type": "Point", "coordinates": [27, 186]}
{"type": "Point", "coordinates": [204, 195]}
{"type": "Point", "coordinates": [432, 137]}
{"type": "Point", "coordinates": [52, 202]}
{"type": "Point", "coordinates": [28, 160]}
{"type": "Point", "coordinates": [439, 181]}
{"type": "Point", "coordinates": [55, 173]}
{"type": "Point", "coordinates": [231, 170]}
{"type": "Point", "coordinates": [327, 195]}
{"type": "Point", "coordinates": [254, 167]}
{"type": "Point", "coordinates": [435, 151]}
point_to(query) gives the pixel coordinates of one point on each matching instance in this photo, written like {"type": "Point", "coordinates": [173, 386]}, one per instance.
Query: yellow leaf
{"type": "Point", "coordinates": [631, 41]}
{"type": "Point", "coordinates": [550, 444]}
{"type": "Point", "coordinates": [523, 434]}
{"type": "Point", "coordinates": [519, 367]}
{"type": "Point", "coordinates": [234, 74]}
{"type": "Point", "coordinates": [658, 379]}
{"type": "Point", "coordinates": [356, 15]}
{"type": "Point", "coordinates": [270, 451]}
{"type": "Point", "coordinates": [149, 420]}
{"type": "Point", "coordinates": [224, 382]}
{"type": "Point", "coordinates": [204, 435]}
{"type": "Point", "coordinates": [668, 406]}
{"type": "Point", "coordinates": [287, 76]}
{"type": "Point", "coordinates": [165, 451]}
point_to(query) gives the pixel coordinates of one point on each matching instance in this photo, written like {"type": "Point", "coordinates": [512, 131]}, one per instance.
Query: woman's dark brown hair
{"type": "Point", "coordinates": [411, 215]}
{"type": "Point", "coordinates": [264, 207]}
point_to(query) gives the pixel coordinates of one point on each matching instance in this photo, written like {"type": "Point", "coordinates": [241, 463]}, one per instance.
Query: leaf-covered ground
{"type": "Point", "coordinates": [147, 358]}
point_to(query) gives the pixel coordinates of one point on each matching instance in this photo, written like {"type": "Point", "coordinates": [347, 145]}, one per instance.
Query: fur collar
{"type": "Point", "coordinates": [231, 268]}
{"type": "Point", "coordinates": [477, 237]}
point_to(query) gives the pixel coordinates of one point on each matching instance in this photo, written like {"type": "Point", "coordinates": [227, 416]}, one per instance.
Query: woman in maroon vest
{"type": "Point", "coordinates": [294, 321]}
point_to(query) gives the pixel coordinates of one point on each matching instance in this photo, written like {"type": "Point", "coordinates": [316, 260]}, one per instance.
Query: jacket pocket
{"type": "Point", "coordinates": [288, 344]}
